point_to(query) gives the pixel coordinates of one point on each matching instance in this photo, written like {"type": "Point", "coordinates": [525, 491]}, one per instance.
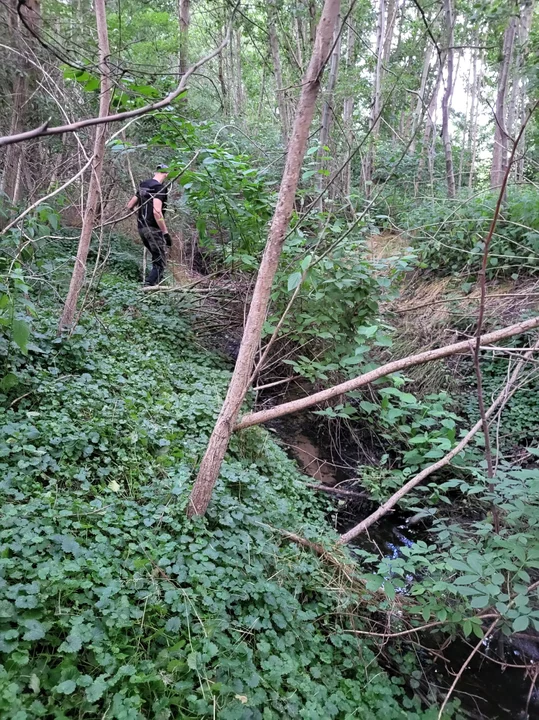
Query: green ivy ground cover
{"type": "Point", "coordinates": [112, 604]}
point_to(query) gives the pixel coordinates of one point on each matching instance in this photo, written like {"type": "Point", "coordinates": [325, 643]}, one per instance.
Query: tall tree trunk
{"type": "Point", "coordinates": [276, 59]}
{"type": "Point", "coordinates": [22, 88]}
{"type": "Point", "coordinates": [348, 109]}
{"type": "Point", "coordinates": [312, 21]}
{"type": "Point", "coordinates": [222, 82]}
{"type": "Point", "coordinates": [499, 150]}
{"type": "Point", "coordinates": [217, 446]}
{"type": "Point", "coordinates": [466, 129]}
{"type": "Point", "coordinates": [472, 131]}
{"type": "Point", "coordinates": [184, 20]}
{"type": "Point", "coordinates": [392, 8]}
{"type": "Point", "coordinates": [519, 77]}
{"type": "Point", "coordinates": [376, 98]}
{"type": "Point", "coordinates": [327, 109]}
{"type": "Point", "coordinates": [299, 44]}
{"type": "Point", "coordinates": [79, 271]}
{"type": "Point", "coordinates": [238, 72]}
{"type": "Point", "coordinates": [419, 108]}
{"type": "Point", "coordinates": [446, 100]}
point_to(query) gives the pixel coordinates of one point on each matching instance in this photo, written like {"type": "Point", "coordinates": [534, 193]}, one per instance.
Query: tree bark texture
{"type": "Point", "coordinates": [499, 150]}
{"type": "Point", "coordinates": [79, 271]}
{"type": "Point", "coordinates": [376, 98]}
{"type": "Point", "coordinates": [419, 109]}
{"type": "Point", "coordinates": [217, 446]}
{"type": "Point", "coordinates": [184, 20]}
{"type": "Point", "coordinates": [277, 70]}
{"type": "Point", "coordinates": [472, 130]}
{"type": "Point", "coordinates": [446, 100]}
{"type": "Point", "coordinates": [394, 366]}
{"type": "Point", "coordinates": [327, 109]}
{"type": "Point", "coordinates": [348, 109]}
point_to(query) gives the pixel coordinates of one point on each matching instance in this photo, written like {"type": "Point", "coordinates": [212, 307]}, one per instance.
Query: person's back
{"type": "Point", "coordinates": [151, 200]}
{"type": "Point", "coordinates": [148, 191]}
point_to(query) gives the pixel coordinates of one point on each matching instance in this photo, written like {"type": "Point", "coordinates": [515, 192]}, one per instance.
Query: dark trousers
{"type": "Point", "coordinates": [155, 243]}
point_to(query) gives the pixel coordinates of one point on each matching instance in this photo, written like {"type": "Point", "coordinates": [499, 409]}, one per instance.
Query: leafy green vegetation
{"type": "Point", "coordinates": [111, 600]}
{"type": "Point", "coordinates": [450, 236]}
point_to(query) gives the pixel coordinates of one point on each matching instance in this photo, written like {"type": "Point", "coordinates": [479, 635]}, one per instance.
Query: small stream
{"type": "Point", "coordinates": [488, 690]}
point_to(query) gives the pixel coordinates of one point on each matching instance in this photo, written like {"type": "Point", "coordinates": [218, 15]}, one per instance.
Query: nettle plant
{"type": "Point", "coordinates": [449, 235]}
{"type": "Point", "coordinates": [231, 203]}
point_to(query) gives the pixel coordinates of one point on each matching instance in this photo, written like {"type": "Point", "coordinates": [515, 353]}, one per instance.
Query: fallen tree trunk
{"type": "Point", "coordinates": [465, 346]}
{"type": "Point", "coordinates": [502, 398]}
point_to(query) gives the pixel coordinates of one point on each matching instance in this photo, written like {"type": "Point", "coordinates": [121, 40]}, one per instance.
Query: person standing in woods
{"type": "Point", "coordinates": [151, 199]}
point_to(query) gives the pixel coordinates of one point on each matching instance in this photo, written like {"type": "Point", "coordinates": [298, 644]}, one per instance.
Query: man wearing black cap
{"type": "Point", "coordinates": [151, 199]}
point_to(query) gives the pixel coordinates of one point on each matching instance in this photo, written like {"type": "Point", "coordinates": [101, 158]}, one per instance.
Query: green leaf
{"type": "Point", "coordinates": [521, 623]}
{"type": "Point", "coordinates": [389, 590]}
{"type": "Point", "coordinates": [9, 381]}
{"type": "Point", "coordinates": [66, 688]}
{"type": "Point", "coordinates": [20, 334]}
{"type": "Point", "coordinates": [97, 689]}
{"type": "Point", "coordinates": [294, 280]}
{"type": "Point", "coordinates": [480, 601]}
{"type": "Point", "coordinates": [34, 683]}
{"type": "Point", "coordinates": [34, 630]}
{"type": "Point", "coordinates": [466, 580]}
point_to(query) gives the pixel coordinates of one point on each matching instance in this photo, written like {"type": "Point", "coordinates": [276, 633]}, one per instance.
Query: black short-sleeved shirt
{"type": "Point", "coordinates": [148, 190]}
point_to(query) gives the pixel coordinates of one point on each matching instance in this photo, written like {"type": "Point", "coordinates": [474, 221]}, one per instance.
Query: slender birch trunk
{"type": "Point", "coordinates": [376, 99]}
{"type": "Point", "coordinates": [348, 109]}
{"type": "Point", "coordinates": [472, 133]}
{"type": "Point", "coordinates": [465, 130]}
{"type": "Point", "coordinates": [276, 60]}
{"type": "Point", "coordinates": [327, 109]}
{"type": "Point", "coordinates": [446, 101]}
{"type": "Point", "coordinates": [218, 444]}
{"type": "Point", "coordinates": [500, 148]}
{"type": "Point", "coordinates": [524, 34]}
{"type": "Point", "coordinates": [418, 114]}
{"type": "Point", "coordinates": [79, 271]}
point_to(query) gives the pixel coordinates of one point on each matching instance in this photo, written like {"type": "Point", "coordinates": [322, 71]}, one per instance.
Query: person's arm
{"type": "Point", "coordinates": [133, 202]}
{"type": "Point", "coordinates": [158, 215]}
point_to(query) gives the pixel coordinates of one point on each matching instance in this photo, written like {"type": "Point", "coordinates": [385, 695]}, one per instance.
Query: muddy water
{"type": "Point", "coordinates": [489, 689]}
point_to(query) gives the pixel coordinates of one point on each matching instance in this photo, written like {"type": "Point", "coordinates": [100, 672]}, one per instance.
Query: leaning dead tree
{"type": "Point", "coordinates": [239, 384]}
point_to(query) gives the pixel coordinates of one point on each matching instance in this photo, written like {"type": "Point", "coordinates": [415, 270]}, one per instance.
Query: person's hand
{"type": "Point", "coordinates": [168, 239]}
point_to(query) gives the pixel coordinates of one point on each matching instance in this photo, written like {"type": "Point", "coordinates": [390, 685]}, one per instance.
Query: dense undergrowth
{"type": "Point", "coordinates": [449, 234]}
{"type": "Point", "coordinates": [112, 603]}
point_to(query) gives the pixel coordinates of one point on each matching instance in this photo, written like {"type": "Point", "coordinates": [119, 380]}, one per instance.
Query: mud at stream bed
{"type": "Point", "coordinates": [489, 688]}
